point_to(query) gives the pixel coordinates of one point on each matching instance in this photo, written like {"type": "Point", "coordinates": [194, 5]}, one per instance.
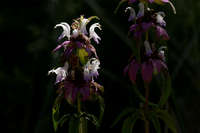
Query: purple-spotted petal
{"type": "Point", "coordinates": [61, 45]}
{"type": "Point", "coordinates": [147, 70]}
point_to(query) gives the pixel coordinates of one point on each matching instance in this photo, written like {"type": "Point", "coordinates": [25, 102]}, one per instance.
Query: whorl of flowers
{"type": "Point", "coordinates": [80, 60]}
{"type": "Point", "coordinates": [148, 29]}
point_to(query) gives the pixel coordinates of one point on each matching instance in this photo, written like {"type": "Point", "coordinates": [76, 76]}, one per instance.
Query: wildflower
{"type": "Point", "coordinates": [159, 18]}
{"type": "Point", "coordinates": [66, 30]}
{"type": "Point", "coordinates": [139, 29]}
{"type": "Point", "coordinates": [132, 13]}
{"type": "Point", "coordinates": [90, 69]}
{"type": "Point", "coordinates": [153, 62]}
{"type": "Point", "coordinates": [93, 33]}
{"type": "Point", "coordinates": [77, 75]}
{"type": "Point", "coordinates": [61, 72]}
{"type": "Point", "coordinates": [132, 70]}
{"type": "Point", "coordinates": [161, 33]}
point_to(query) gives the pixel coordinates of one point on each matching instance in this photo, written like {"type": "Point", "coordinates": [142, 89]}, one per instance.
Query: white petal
{"type": "Point", "coordinates": [132, 13]}
{"type": "Point", "coordinates": [84, 23]}
{"type": "Point", "coordinates": [159, 18]}
{"type": "Point", "coordinates": [147, 47]}
{"type": "Point", "coordinates": [90, 69]}
{"type": "Point", "coordinates": [141, 10]}
{"type": "Point", "coordinates": [93, 33]}
{"type": "Point", "coordinates": [75, 33]}
{"type": "Point", "coordinates": [61, 72]}
{"type": "Point", "coordinates": [66, 30]}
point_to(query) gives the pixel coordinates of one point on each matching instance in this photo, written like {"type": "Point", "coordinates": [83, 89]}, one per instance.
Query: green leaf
{"type": "Point", "coordinates": [82, 54]}
{"type": "Point", "coordinates": [134, 118]}
{"type": "Point", "coordinates": [118, 6]}
{"type": "Point", "coordinates": [102, 106]}
{"type": "Point", "coordinates": [55, 122]}
{"type": "Point", "coordinates": [93, 119]}
{"type": "Point", "coordinates": [63, 119]}
{"type": "Point", "coordinates": [156, 123]}
{"type": "Point", "coordinates": [166, 93]}
{"type": "Point", "coordinates": [55, 112]}
{"type": "Point", "coordinates": [168, 120]}
{"type": "Point", "coordinates": [73, 125]}
{"type": "Point", "coordinates": [129, 123]}
{"type": "Point", "coordinates": [124, 113]}
{"type": "Point", "coordinates": [82, 125]}
{"type": "Point", "coordinates": [126, 125]}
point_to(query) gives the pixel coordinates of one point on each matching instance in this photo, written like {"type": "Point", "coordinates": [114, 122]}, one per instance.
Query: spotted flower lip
{"type": "Point", "coordinates": [61, 72]}
{"type": "Point", "coordinates": [90, 69]}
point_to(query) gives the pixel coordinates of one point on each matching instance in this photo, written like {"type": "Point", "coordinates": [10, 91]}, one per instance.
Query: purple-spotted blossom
{"type": "Point", "coordinates": [153, 62]}
{"type": "Point", "coordinates": [77, 76]}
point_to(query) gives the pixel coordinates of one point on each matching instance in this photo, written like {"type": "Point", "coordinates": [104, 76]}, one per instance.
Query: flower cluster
{"type": "Point", "coordinates": [80, 60]}
{"type": "Point", "coordinates": [152, 54]}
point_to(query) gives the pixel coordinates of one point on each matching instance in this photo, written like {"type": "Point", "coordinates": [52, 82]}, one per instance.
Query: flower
{"type": "Point", "coordinates": [90, 69]}
{"type": "Point", "coordinates": [159, 18]}
{"type": "Point", "coordinates": [147, 48]}
{"type": "Point", "coordinates": [139, 29]}
{"type": "Point", "coordinates": [132, 13]}
{"type": "Point", "coordinates": [132, 70]}
{"type": "Point", "coordinates": [93, 33]}
{"type": "Point", "coordinates": [61, 72]}
{"type": "Point", "coordinates": [141, 10]}
{"type": "Point", "coordinates": [83, 24]}
{"type": "Point", "coordinates": [161, 33]}
{"type": "Point", "coordinates": [66, 30]}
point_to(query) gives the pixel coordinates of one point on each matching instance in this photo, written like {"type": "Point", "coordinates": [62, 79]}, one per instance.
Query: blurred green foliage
{"type": "Point", "coordinates": [28, 37]}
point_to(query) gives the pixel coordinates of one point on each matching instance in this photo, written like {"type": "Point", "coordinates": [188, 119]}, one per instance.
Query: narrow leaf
{"type": "Point", "coordinates": [124, 113]}
{"type": "Point", "coordinates": [167, 91]}
{"type": "Point", "coordinates": [168, 120]}
{"type": "Point", "coordinates": [156, 123]}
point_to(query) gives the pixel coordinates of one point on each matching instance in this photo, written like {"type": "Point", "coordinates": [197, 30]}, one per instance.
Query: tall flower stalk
{"type": "Point", "coordinates": [147, 63]}
{"type": "Point", "coordinates": [75, 80]}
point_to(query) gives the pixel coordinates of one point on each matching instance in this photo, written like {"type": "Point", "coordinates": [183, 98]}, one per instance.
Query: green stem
{"type": "Point", "coordinates": [146, 108]}
{"type": "Point", "coordinates": [81, 121]}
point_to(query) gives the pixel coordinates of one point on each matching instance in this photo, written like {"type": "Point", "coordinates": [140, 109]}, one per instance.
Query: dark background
{"type": "Point", "coordinates": [27, 39]}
